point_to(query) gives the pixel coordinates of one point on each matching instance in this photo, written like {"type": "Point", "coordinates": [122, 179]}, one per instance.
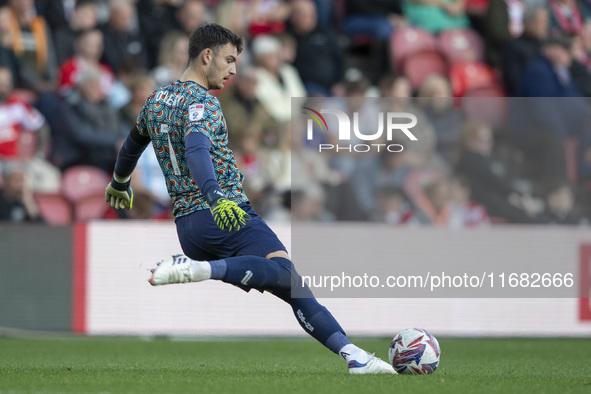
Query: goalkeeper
{"type": "Point", "coordinates": [221, 235]}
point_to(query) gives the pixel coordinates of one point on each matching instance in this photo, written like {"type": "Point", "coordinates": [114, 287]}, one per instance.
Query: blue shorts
{"type": "Point", "coordinates": [202, 239]}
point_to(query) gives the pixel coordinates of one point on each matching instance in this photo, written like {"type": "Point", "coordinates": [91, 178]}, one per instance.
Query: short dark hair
{"type": "Point", "coordinates": [212, 36]}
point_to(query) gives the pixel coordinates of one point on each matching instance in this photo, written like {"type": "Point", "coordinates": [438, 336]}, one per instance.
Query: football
{"type": "Point", "coordinates": [414, 352]}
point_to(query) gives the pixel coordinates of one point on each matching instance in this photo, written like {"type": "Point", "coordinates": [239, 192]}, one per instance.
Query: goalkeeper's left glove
{"type": "Point", "coordinates": [119, 194]}
{"type": "Point", "coordinates": [226, 214]}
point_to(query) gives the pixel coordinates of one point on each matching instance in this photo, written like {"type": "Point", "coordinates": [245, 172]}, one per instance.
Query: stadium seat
{"type": "Point", "coordinates": [54, 208]}
{"type": "Point", "coordinates": [466, 76]}
{"type": "Point", "coordinates": [79, 182]}
{"type": "Point", "coordinates": [408, 40]}
{"type": "Point", "coordinates": [461, 45]}
{"type": "Point", "coordinates": [418, 66]}
{"type": "Point", "coordinates": [91, 207]}
{"type": "Point", "coordinates": [487, 104]}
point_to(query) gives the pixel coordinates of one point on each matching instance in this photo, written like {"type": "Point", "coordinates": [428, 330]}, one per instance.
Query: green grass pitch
{"type": "Point", "coordinates": [282, 366]}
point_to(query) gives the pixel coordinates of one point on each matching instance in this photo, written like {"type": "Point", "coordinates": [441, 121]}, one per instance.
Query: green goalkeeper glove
{"type": "Point", "coordinates": [119, 194]}
{"type": "Point", "coordinates": [226, 214]}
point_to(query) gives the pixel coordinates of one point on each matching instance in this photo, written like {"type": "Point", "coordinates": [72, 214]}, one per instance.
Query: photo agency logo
{"type": "Point", "coordinates": [397, 123]}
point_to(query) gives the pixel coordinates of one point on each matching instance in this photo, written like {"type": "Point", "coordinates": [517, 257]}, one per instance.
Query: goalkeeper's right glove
{"type": "Point", "coordinates": [226, 214]}
{"type": "Point", "coordinates": [119, 194]}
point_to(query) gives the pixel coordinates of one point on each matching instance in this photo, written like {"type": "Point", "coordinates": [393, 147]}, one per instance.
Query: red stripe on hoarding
{"type": "Point", "coordinates": [79, 279]}
{"type": "Point", "coordinates": [585, 283]}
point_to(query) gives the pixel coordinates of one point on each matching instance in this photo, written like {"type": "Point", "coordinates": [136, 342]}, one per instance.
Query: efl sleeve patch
{"type": "Point", "coordinates": [196, 112]}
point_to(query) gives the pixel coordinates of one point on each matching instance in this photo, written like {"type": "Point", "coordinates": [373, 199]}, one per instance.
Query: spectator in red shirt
{"type": "Point", "coordinates": [88, 49]}
{"type": "Point", "coordinates": [16, 116]}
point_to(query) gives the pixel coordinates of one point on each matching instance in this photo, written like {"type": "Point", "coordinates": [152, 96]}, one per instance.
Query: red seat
{"type": "Point", "coordinates": [487, 104]}
{"type": "Point", "coordinates": [418, 66]}
{"type": "Point", "coordinates": [408, 40]}
{"type": "Point", "coordinates": [466, 76]}
{"type": "Point", "coordinates": [91, 207]}
{"type": "Point", "coordinates": [461, 45]}
{"type": "Point", "coordinates": [54, 208]}
{"type": "Point", "coordinates": [80, 182]}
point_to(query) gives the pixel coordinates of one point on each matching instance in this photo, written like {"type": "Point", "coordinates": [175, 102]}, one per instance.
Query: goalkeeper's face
{"type": "Point", "coordinates": [222, 66]}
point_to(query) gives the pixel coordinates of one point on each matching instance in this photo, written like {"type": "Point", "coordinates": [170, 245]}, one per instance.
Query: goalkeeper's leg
{"type": "Point", "coordinates": [278, 276]}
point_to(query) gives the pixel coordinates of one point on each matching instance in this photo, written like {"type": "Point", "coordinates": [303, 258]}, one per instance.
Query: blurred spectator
{"type": "Point", "coordinates": [463, 211]}
{"type": "Point", "coordinates": [492, 190]}
{"type": "Point", "coordinates": [278, 81]}
{"type": "Point", "coordinates": [16, 199]}
{"type": "Point", "coordinates": [7, 56]}
{"type": "Point", "coordinates": [309, 168]}
{"type": "Point", "coordinates": [191, 15]}
{"type": "Point", "coordinates": [156, 18]}
{"type": "Point", "coordinates": [398, 90]}
{"type": "Point", "coordinates": [288, 47]}
{"type": "Point", "coordinates": [33, 44]}
{"type": "Point", "coordinates": [393, 208]}
{"type": "Point", "coordinates": [427, 149]}
{"type": "Point", "coordinates": [437, 104]}
{"type": "Point", "coordinates": [565, 17]}
{"type": "Point", "coordinates": [172, 58]}
{"type": "Point", "coordinates": [388, 169]}
{"type": "Point", "coordinates": [83, 18]}
{"type": "Point", "coordinates": [447, 203]}
{"type": "Point", "coordinates": [147, 180]}
{"type": "Point", "coordinates": [395, 85]}
{"type": "Point", "coordinates": [120, 95]}
{"type": "Point", "coordinates": [122, 40]}
{"type": "Point", "coordinates": [15, 117]}
{"type": "Point", "coordinates": [91, 133]}
{"type": "Point", "coordinates": [433, 203]}
{"type": "Point", "coordinates": [578, 68]}
{"type": "Point", "coordinates": [520, 51]}
{"type": "Point", "coordinates": [308, 205]}
{"type": "Point", "coordinates": [549, 75]}
{"type": "Point", "coordinates": [57, 13]}
{"type": "Point", "coordinates": [320, 60]}
{"type": "Point", "coordinates": [244, 112]}
{"type": "Point", "coordinates": [347, 162]}
{"type": "Point", "coordinates": [555, 113]}
{"type": "Point", "coordinates": [141, 85]}
{"type": "Point", "coordinates": [436, 15]}
{"type": "Point", "coordinates": [231, 15]}
{"type": "Point", "coordinates": [88, 49]}
{"type": "Point", "coordinates": [247, 148]}
{"type": "Point", "coordinates": [503, 21]}
{"type": "Point", "coordinates": [267, 16]}
{"type": "Point", "coordinates": [560, 203]}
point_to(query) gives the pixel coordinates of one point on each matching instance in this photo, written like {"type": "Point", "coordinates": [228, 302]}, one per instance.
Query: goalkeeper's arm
{"type": "Point", "coordinates": [226, 214]}
{"type": "Point", "coordinates": [119, 193]}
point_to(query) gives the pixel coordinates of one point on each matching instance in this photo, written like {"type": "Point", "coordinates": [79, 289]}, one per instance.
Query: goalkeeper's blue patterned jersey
{"type": "Point", "coordinates": [170, 114]}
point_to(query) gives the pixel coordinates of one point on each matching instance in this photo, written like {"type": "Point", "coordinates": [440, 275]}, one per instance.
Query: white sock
{"type": "Point", "coordinates": [351, 352]}
{"type": "Point", "coordinates": [200, 270]}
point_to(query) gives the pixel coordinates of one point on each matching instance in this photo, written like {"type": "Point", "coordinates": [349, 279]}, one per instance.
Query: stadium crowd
{"type": "Point", "coordinates": [500, 88]}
